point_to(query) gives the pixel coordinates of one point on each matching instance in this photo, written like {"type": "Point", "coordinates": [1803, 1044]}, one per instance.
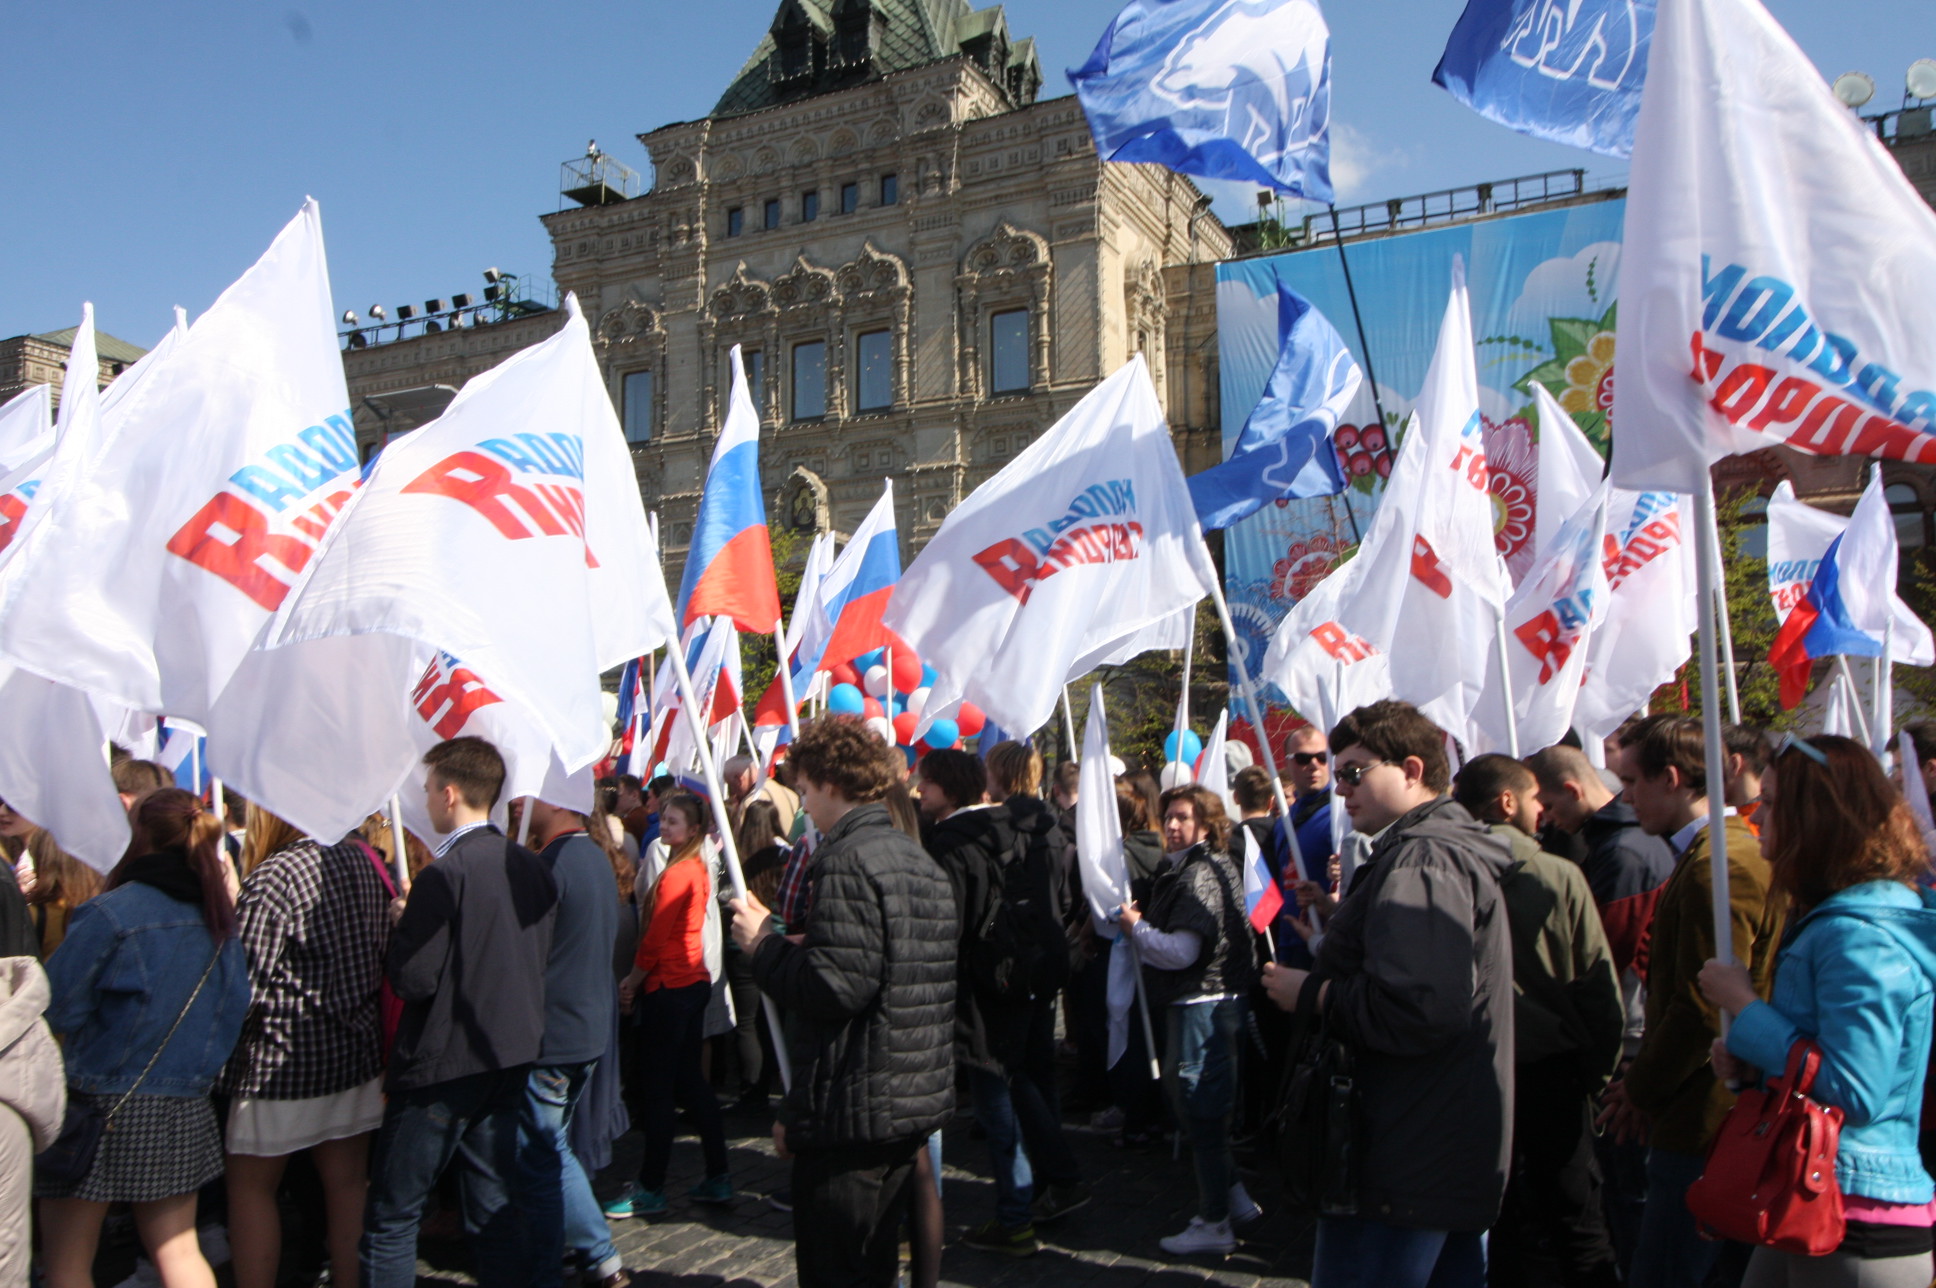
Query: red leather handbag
{"type": "Point", "coordinates": [1770, 1175]}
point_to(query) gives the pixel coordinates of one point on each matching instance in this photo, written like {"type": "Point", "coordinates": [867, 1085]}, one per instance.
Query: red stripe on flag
{"type": "Point", "coordinates": [739, 584]}
{"type": "Point", "coordinates": [1789, 653]}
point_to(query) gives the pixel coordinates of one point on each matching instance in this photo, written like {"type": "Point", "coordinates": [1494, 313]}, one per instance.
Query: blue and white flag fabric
{"type": "Point", "coordinates": [1565, 70]}
{"type": "Point", "coordinates": [1285, 449]}
{"type": "Point", "coordinates": [1224, 89]}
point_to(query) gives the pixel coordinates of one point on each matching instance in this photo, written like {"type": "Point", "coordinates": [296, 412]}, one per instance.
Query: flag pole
{"type": "Point", "coordinates": [1505, 685]}
{"type": "Point", "coordinates": [1721, 616]}
{"type": "Point", "coordinates": [1708, 573]}
{"type": "Point", "coordinates": [1183, 696]}
{"type": "Point", "coordinates": [1142, 1008]}
{"type": "Point", "coordinates": [1250, 699]}
{"type": "Point", "coordinates": [1864, 729]}
{"type": "Point", "coordinates": [397, 844]}
{"type": "Point", "coordinates": [1069, 725]}
{"type": "Point", "coordinates": [728, 843]}
{"type": "Point", "coordinates": [786, 679]}
{"type": "Point", "coordinates": [1364, 350]}
{"type": "Point", "coordinates": [1883, 700]}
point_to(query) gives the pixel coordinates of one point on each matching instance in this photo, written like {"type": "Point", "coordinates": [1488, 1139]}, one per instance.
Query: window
{"type": "Point", "coordinates": [772, 214]}
{"type": "Point", "coordinates": [875, 377]}
{"type": "Point", "coordinates": [849, 198]}
{"type": "Point", "coordinates": [638, 406]}
{"type": "Point", "coordinates": [890, 189]}
{"type": "Point", "coordinates": [810, 380]}
{"type": "Point", "coordinates": [735, 221]}
{"type": "Point", "coordinates": [809, 207]}
{"type": "Point", "coordinates": [756, 378]}
{"type": "Point", "coordinates": [1753, 533]}
{"type": "Point", "coordinates": [1907, 506]}
{"type": "Point", "coordinates": [1008, 349]}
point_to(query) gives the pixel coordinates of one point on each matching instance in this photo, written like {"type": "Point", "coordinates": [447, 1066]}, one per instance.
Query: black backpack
{"type": "Point", "coordinates": [1019, 950]}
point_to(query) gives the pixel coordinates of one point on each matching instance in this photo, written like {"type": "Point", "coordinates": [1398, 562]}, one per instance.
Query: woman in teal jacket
{"type": "Point", "coordinates": [1857, 976]}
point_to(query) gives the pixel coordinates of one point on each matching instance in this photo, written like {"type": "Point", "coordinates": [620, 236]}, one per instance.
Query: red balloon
{"type": "Point", "coordinates": [844, 673]}
{"type": "Point", "coordinates": [904, 727]}
{"type": "Point", "coordinates": [871, 707]}
{"type": "Point", "coordinates": [907, 671]}
{"type": "Point", "coordinates": [970, 720]}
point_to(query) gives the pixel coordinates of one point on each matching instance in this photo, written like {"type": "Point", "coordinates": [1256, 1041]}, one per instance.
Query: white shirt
{"type": "Point", "coordinates": [452, 839]}
{"type": "Point", "coordinates": [1680, 840]}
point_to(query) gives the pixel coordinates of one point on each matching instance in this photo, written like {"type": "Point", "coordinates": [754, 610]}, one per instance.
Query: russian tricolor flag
{"type": "Point", "coordinates": [729, 568]}
{"type": "Point", "coordinates": [854, 594]}
{"type": "Point", "coordinates": [1262, 898]}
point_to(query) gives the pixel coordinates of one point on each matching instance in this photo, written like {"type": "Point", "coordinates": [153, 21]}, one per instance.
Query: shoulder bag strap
{"type": "Point", "coordinates": [169, 1037]}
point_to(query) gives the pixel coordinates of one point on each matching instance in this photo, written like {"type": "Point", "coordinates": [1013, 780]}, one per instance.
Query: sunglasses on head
{"type": "Point", "coordinates": [1803, 745]}
{"type": "Point", "coordinates": [1351, 775]}
{"type": "Point", "coordinates": [1310, 757]}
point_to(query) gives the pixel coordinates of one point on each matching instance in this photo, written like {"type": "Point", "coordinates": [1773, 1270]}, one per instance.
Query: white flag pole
{"type": "Point", "coordinates": [1242, 664]}
{"type": "Point", "coordinates": [1069, 726]}
{"type": "Point", "coordinates": [1883, 700]}
{"type": "Point", "coordinates": [728, 843]}
{"type": "Point", "coordinates": [216, 801]}
{"type": "Point", "coordinates": [786, 680]}
{"type": "Point", "coordinates": [1863, 729]}
{"type": "Point", "coordinates": [1721, 612]}
{"type": "Point", "coordinates": [1142, 1007]}
{"type": "Point", "coordinates": [524, 822]}
{"type": "Point", "coordinates": [397, 844]}
{"type": "Point", "coordinates": [1183, 697]}
{"type": "Point", "coordinates": [1505, 684]}
{"type": "Point", "coordinates": [1708, 571]}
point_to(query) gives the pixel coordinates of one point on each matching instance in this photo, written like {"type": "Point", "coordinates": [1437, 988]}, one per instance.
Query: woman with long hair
{"type": "Point", "coordinates": [1857, 978]}
{"type": "Point", "coordinates": [1195, 945]}
{"type": "Point", "coordinates": [762, 853]}
{"type": "Point", "coordinates": [670, 985]}
{"type": "Point", "coordinates": [307, 1073]}
{"type": "Point", "coordinates": [61, 884]}
{"type": "Point", "coordinates": [149, 990]}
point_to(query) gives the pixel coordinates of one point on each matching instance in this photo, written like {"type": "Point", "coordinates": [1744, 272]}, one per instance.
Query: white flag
{"type": "Point", "coordinates": [516, 549]}
{"type": "Point", "coordinates": [159, 560]}
{"type": "Point", "coordinates": [54, 769]}
{"type": "Point", "coordinates": [26, 426]}
{"type": "Point", "coordinates": [1085, 538]}
{"type": "Point", "coordinates": [1569, 469]}
{"type": "Point", "coordinates": [1799, 535]}
{"type": "Point", "coordinates": [1322, 667]}
{"type": "Point", "coordinates": [1779, 278]}
{"type": "Point", "coordinates": [1213, 767]}
{"type": "Point", "coordinates": [1549, 624]}
{"type": "Point", "coordinates": [1842, 708]}
{"type": "Point", "coordinates": [1651, 604]}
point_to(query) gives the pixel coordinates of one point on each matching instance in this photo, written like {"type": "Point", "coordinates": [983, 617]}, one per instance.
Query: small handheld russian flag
{"type": "Point", "coordinates": [1262, 899]}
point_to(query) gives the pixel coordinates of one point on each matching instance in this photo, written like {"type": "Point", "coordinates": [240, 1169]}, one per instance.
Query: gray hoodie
{"type": "Point", "coordinates": [1419, 959]}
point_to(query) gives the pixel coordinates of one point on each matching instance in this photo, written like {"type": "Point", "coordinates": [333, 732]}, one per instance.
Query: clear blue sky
{"type": "Point", "coordinates": [154, 149]}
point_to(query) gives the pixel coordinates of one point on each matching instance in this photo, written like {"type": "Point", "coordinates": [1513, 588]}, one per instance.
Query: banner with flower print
{"type": "Point", "coordinates": [1543, 296]}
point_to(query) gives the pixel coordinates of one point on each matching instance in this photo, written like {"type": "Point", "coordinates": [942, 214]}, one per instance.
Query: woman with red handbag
{"type": "Point", "coordinates": [1852, 1003]}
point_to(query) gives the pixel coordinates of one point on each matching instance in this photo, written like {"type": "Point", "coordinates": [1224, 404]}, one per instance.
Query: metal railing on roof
{"type": "Point", "coordinates": [1446, 206]}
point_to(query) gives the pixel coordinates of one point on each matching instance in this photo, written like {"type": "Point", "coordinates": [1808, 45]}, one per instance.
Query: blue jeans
{"type": "Point", "coordinates": [558, 1194]}
{"type": "Point", "coordinates": [1014, 1181]}
{"type": "Point", "coordinates": [1201, 1073]}
{"type": "Point", "coordinates": [1354, 1252]}
{"type": "Point", "coordinates": [1670, 1250]}
{"type": "Point", "coordinates": [473, 1120]}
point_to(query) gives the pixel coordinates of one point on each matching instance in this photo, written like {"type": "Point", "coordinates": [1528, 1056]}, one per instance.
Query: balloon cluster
{"type": "Point", "coordinates": [893, 704]}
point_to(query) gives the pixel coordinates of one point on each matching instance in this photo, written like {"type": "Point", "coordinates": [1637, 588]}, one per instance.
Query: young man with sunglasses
{"type": "Point", "coordinates": [1415, 976]}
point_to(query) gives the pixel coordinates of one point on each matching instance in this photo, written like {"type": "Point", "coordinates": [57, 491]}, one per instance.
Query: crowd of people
{"type": "Point", "coordinates": [1516, 960]}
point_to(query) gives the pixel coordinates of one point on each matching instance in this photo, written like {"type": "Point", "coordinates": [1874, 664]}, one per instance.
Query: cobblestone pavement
{"type": "Point", "coordinates": [1112, 1243]}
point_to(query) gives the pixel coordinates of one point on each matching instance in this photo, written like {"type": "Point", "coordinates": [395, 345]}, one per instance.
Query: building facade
{"type": "Point", "coordinates": [42, 360]}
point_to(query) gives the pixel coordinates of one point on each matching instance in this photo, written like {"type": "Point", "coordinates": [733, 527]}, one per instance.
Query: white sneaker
{"type": "Point", "coordinates": [1243, 1208]}
{"type": "Point", "coordinates": [1201, 1236]}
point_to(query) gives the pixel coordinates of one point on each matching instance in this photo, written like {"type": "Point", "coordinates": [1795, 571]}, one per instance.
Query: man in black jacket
{"type": "Point", "coordinates": [468, 959]}
{"type": "Point", "coordinates": [978, 846]}
{"type": "Point", "coordinates": [1415, 975]}
{"type": "Point", "coordinates": [871, 990]}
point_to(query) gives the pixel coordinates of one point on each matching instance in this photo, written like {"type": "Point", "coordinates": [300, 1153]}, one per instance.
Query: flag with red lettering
{"type": "Point", "coordinates": [1321, 666]}
{"type": "Point", "coordinates": [1430, 582]}
{"type": "Point", "coordinates": [729, 568]}
{"type": "Point", "coordinates": [482, 535]}
{"type": "Point", "coordinates": [1085, 538]}
{"type": "Point", "coordinates": [162, 555]}
{"type": "Point", "coordinates": [1650, 617]}
{"type": "Point", "coordinates": [1549, 624]}
{"type": "Point", "coordinates": [1779, 279]}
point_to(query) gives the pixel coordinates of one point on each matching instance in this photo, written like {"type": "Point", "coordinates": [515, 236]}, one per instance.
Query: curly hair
{"type": "Point", "coordinates": [1833, 826]}
{"type": "Point", "coordinates": [842, 753]}
{"type": "Point", "coordinates": [1213, 824]}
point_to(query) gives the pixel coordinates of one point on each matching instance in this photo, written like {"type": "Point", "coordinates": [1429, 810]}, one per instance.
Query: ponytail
{"type": "Point", "coordinates": [173, 821]}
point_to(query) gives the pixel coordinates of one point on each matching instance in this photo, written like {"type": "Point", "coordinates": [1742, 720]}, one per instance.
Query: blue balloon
{"type": "Point", "coordinates": [911, 755]}
{"type": "Point", "coordinates": [846, 700]}
{"type": "Point", "coordinates": [897, 704]}
{"type": "Point", "coordinates": [942, 733]}
{"type": "Point", "coordinates": [872, 658]}
{"type": "Point", "coordinates": [1192, 746]}
{"type": "Point", "coordinates": [928, 676]}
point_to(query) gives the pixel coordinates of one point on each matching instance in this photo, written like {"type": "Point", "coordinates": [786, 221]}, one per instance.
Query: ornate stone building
{"type": "Point", "coordinates": [42, 360]}
{"type": "Point", "coordinates": [923, 264]}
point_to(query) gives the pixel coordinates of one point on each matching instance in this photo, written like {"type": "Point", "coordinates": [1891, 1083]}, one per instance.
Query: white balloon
{"type": "Point", "coordinates": [1176, 774]}
{"type": "Point", "coordinates": [875, 681]}
{"type": "Point", "coordinates": [882, 727]}
{"type": "Point", "coordinates": [917, 701]}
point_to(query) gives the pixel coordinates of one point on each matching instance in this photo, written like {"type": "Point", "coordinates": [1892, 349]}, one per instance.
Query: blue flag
{"type": "Point", "coordinates": [1565, 70]}
{"type": "Point", "coordinates": [1285, 449]}
{"type": "Point", "coordinates": [1225, 89]}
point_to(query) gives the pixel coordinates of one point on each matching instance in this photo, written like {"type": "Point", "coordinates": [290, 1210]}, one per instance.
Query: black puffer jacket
{"type": "Point", "coordinates": [871, 991]}
{"type": "Point", "coordinates": [969, 845]}
{"type": "Point", "coordinates": [1205, 894]}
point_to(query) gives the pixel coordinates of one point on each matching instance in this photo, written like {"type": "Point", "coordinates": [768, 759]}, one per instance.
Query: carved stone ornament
{"type": "Point", "coordinates": [629, 321]}
{"type": "Point", "coordinates": [742, 294]}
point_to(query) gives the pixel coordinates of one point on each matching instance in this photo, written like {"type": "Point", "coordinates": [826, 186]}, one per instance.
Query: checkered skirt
{"type": "Point", "coordinates": [156, 1147]}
